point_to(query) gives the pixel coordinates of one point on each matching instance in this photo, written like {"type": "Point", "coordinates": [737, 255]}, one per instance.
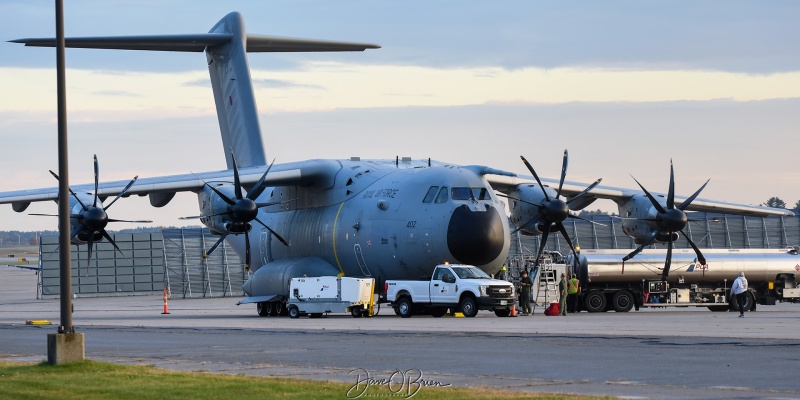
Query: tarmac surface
{"type": "Point", "coordinates": [653, 353]}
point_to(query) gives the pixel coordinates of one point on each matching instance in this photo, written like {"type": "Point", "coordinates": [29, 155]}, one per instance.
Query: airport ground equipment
{"type": "Point", "coordinates": [610, 284]}
{"type": "Point", "coordinates": [315, 296]}
{"type": "Point", "coordinates": [464, 288]}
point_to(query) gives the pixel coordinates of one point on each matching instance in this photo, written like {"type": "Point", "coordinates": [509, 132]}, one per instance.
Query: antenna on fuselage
{"type": "Point", "coordinates": [397, 162]}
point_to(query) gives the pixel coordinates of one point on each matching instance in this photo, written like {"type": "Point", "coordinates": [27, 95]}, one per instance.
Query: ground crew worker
{"type": "Point", "coordinates": [502, 273]}
{"type": "Point", "coordinates": [562, 295]}
{"type": "Point", "coordinates": [573, 288]}
{"type": "Point", "coordinates": [525, 294]}
{"type": "Point", "coordinates": [739, 291]}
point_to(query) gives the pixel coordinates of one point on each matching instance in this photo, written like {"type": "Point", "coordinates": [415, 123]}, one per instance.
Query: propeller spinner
{"type": "Point", "coordinates": [669, 220]}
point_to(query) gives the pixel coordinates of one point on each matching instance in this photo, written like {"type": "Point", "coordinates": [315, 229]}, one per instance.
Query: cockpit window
{"type": "Point", "coordinates": [462, 193]}
{"type": "Point", "coordinates": [481, 193]}
{"type": "Point", "coordinates": [442, 195]}
{"type": "Point", "coordinates": [431, 194]}
{"type": "Point", "coordinates": [465, 193]}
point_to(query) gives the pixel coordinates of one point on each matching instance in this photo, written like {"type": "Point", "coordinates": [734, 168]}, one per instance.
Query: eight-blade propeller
{"type": "Point", "coordinates": [669, 220]}
{"type": "Point", "coordinates": [242, 210]}
{"type": "Point", "coordinates": [552, 211]}
{"type": "Point", "coordinates": [92, 220]}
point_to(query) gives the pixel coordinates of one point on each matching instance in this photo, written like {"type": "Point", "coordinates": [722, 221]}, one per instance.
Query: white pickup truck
{"type": "Point", "coordinates": [459, 287]}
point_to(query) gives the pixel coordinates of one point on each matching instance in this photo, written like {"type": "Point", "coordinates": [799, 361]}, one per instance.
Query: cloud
{"type": "Point", "coordinates": [121, 93]}
{"type": "Point", "coordinates": [283, 84]}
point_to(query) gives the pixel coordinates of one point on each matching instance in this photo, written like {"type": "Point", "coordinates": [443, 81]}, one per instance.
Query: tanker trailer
{"type": "Point", "coordinates": [609, 284]}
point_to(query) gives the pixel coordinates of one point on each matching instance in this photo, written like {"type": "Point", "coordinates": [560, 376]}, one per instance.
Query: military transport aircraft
{"type": "Point", "coordinates": [387, 219]}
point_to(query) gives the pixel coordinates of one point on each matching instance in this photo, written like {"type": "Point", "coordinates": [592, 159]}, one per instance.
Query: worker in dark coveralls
{"type": "Point", "coordinates": [562, 295]}
{"type": "Point", "coordinates": [525, 294]}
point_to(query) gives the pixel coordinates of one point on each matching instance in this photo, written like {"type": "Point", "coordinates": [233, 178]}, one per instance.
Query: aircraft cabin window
{"type": "Point", "coordinates": [442, 195]}
{"type": "Point", "coordinates": [462, 193]}
{"type": "Point", "coordinates": [431, 194]}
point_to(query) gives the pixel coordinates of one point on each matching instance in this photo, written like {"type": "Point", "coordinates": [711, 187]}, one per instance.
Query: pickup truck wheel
{"type": "Point", "coordinates": [355, 312]}
{"type": "Point", "coordinates": [502, 313]}
{"type": "Point", "coordinates": [294, 312]}
{"type": "Point", "coordinates": [622, 301]}
{"type": "Point", "coordinates": [439, 312]}
{"type": "Point", "coordinates": [404, 307]}
{"type": "Point", "coordinates": [595, 301]}
{"type": "Point", "coordinates": [262, 308]}
{"type": "Point", "coordinates": [468, 307]}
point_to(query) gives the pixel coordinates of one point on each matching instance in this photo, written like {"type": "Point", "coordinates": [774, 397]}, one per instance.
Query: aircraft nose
{"type": "Point", "coordinates": [475, 237]}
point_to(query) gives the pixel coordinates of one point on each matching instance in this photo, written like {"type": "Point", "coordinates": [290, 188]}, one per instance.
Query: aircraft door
{"type": "Point", "coordinates": [360, 258]}
{"type": "Point", "coordinates": [443, 286]}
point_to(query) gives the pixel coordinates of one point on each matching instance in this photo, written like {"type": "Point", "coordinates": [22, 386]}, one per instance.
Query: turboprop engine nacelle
{"type": "Point", "coordinates": [526, 209]}
{"type": "Point", "coordinates": [640, 221]}
{"type": "Point", "coordinates": [215, 212]}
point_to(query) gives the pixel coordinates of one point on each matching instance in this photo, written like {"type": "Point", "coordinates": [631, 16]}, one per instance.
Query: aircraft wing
{"type": "Point", "coordinates": [162, 189]}
{"type": "Point", "coordinates": [506, 183]}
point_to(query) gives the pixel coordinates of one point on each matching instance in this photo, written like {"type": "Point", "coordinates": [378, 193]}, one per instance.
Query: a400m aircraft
{"type": "Point", "coordinates": [387, 219]}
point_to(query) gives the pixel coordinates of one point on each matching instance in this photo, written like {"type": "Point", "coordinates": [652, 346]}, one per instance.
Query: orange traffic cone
{"type": "Point", "coordinates": [166, 307]}
{"type": "Point", "coordinates": [514, 310]}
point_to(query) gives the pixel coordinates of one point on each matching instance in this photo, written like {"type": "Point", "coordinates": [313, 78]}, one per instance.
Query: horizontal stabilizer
{"type": "Point", "coordinates": [199, 42]}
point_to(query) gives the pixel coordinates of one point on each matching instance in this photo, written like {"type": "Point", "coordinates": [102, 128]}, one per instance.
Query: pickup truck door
{"type": "Point", "coordinates": [441, 290]}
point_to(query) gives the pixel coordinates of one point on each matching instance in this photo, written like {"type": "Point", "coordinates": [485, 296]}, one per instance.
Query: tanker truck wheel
{"type": "Point", "coordinates": [263, 308]}
{"type": "Point", "coordinates": [622, 301]}
{"type": "Point", "coordinates": [595, 301]}
{"type": "Point", "coordinates": [718, 308]}
{"type": "Point", "coordinates": [749, 301]}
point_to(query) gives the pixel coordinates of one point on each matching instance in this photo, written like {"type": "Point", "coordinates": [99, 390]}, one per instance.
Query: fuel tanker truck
{"type": "Point", "coordinates": [609, 284]}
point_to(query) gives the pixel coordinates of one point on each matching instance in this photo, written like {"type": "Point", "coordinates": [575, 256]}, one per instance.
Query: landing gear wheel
{"type": "Point", "coordinates": [355, 312]}
{"type": "Point", "coordinates": [595, 301]}
{"type": "Point", "coordinates": [294, 312]}
{"type": "Point", "coordinates": [439, 312]}
{"type": "Point", "coordinates": [404, 308]}
{"type": "Point", "coordinates": [622, 301]}
{"type": "Point", "coordinates": [502, 313]}
{"type": "Point", "coordinates": [469, 307]}
{"type": "Point", "coordinates": [262, 308]}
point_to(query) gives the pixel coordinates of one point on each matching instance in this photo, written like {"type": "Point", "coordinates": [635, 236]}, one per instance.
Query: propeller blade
{"type": "Point", "coordinates": [220, 194]}
{"type": "Point", "coordinates": [652, 199]}
{"type": "Point", "coordinates": [75, 231]}
{"type": "Point", "coordinates": [671, 193]}
{"type": "Point", "coordinates": [563, 173]}
{"type": "Point", "coordinates": [70, 190]}
{"type": "Point", "coordinates": [700, 256]}
{"type": "Point", "coordinates": [525, 225]}
{"type": "Point", "coordinates": [691, 198]}
{"type": "Point", "coordinates": [45, 215]}
{"type": "Point", "coordinates": [285, 243]}
{"type": "Point", "coordinates": [214, 247]}
{"type": "Point", "coordinates": [668, 261]}
{"type": "Point", "coordinates": [579, 195]}
{"type": "Point", "coordinates": [89, 241]}
{"type": "Point", "coordinates": [96, 186]}
{"type": "Point", "coordinates": [237, 185]}
{"type": "Point", "coordinates": [122, 193]}
{"type": "Point", "coordinates": [113, 243]}
{"type": "Point", "coordinates": [258, 188]}
{"type": "Point", "coordinates": [564, 233]}
{"type": "Point", "coordinates": [584, 219]}
{"type": "Point", "coordinates": [520, 200]}
{"type": "Point", "coordinates": [539, 181]}
{"type": "Point", "coordinates": [192, 217]}
{"type": "Point", "coordinates": [640, 248]}
{"type": "Point", "coordinates": [123, 220]}
{"type": "Point", "coordinates": [541, 246]}
{"type": "Point", "coordinates": [246, 251]}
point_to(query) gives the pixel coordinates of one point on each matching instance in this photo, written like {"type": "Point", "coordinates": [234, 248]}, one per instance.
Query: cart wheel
{"type": "Point", "coordinates": [355, 312]}
{"type": "Point", "coordinates": [294, 312]}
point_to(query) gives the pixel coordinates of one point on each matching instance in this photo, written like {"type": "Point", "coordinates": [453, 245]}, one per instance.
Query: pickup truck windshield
{"type": "Point", "coordinates": [470, 273]}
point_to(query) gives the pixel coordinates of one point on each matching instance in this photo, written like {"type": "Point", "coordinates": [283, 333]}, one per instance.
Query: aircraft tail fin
{"type": "Point", "coordinates": [226, 46]}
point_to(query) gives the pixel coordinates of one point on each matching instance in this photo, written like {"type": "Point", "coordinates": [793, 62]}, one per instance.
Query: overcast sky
{"type": "Point", "coordinates": [625, 86]}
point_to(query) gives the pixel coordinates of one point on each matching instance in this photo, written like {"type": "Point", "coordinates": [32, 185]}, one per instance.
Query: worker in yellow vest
{"type": "Point", "coordinates": [573, 288]}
